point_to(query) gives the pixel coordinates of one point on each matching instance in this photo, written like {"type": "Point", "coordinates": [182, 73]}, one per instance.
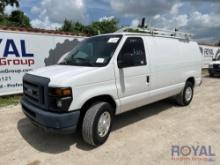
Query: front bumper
{"type": "Point", "coordinates": [51, 121]}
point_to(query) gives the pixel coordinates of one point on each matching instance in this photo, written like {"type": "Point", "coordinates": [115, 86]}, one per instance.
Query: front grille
{"type": "Point", "coordinates": [35, 90]}
{"type": "Point", "coordinates": [216, 66]}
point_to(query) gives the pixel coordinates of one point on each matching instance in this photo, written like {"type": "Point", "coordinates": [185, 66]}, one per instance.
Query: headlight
{"type": "Point", "coordinates": [60, 92]}
{"type": "Point", "coordinates": [210, 65]}
{"type": "Point", "coordinates": [59, 99]}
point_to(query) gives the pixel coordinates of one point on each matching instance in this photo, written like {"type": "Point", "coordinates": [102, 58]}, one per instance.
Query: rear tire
{"type": "Point", "coordinates": [97, 123]}
{"type": "Point", "coordinates": [186, 96]}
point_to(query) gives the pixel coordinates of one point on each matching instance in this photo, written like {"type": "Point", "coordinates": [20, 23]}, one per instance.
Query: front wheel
{"type": "Point", "coordinates": [186, 96]}
{"type": "Point", "coordinates": [97, 123]}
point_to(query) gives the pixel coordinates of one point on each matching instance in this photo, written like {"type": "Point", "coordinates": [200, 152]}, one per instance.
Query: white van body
{"type": "Point", "coordinates": [170, 63]}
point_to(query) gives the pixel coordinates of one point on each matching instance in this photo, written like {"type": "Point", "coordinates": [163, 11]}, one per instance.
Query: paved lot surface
{"type": "Point", "coordinates": [142, 136]}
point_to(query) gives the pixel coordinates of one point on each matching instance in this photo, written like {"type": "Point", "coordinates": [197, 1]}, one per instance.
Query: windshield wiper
{"type": "Point", "coordinates": [62, 63]}
{"type": "Point", "coordinates": [83, 62]}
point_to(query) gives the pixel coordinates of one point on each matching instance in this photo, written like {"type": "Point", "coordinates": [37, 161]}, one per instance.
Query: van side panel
{"type": "Point", "coordinates": [192, 61]}
{"type": "Point", "coordinates": [173, 61]}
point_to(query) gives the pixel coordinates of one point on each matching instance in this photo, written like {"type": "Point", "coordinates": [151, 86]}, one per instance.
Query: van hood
{"type": "Point", "coordinates": [61, 71]}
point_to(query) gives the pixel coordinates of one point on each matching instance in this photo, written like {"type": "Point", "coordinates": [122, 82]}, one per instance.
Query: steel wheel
{"type": "Point", "coordinates": [188, 94]}
{"type": "Point", "coordinates": [104, 124]}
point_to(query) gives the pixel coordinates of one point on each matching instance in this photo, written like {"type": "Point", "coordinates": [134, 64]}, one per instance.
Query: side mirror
{"type": "Point", "coordinates": [125, 60]}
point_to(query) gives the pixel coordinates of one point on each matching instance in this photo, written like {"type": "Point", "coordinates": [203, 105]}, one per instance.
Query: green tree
{"type": "Point", "coordinates": [78, 27]}
{"type": "Point", "coordinates": [67, 26]}
{"type": "Point", "coordinates": [105, 26]}
{"type": "Point", "coordinates": [70, 26]}
{"type": "Point", "coordinates": [4, 3]}
{"type": "Point", "coordinates": [2, 19]}
{"type": "Point", "coordinates": [18, 18]}
{"type": "Point", "coordinates": [89, 30]}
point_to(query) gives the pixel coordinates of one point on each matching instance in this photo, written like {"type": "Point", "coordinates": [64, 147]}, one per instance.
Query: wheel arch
{"type": "Point", "coordinates": [89, 102]}
{"type": "Point", "coordinates": [192, 80]}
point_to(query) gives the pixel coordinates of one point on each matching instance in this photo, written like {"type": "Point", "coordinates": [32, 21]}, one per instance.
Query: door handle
{"type": "Point", "coordinates": [148, 79]}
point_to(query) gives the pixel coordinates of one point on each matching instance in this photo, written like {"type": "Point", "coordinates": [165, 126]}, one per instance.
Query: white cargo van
{"type": "Point", "coordinates": [214, 66]}
{"type": "Point", "coordinates": [107, 75]}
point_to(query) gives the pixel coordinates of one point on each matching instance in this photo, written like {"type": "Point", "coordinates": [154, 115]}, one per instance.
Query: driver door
{"type": "Point", "coordinates": [132, 75]}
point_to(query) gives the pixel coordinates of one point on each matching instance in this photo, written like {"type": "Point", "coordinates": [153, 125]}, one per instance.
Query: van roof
{"type": "Point", "coordinates": [144, 34]}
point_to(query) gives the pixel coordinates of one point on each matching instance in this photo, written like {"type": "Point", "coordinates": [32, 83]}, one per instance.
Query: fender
{"type": "Point", "coordinates": [84, 93]}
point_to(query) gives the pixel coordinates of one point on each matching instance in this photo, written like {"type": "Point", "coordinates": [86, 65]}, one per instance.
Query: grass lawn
{"type": "Point", "coordinates": [9, 100]}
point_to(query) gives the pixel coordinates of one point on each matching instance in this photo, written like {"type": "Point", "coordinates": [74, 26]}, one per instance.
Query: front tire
{"type": "Point", "coordinates": [186, 96]}
{"type": "Point", "coordinates": [97, 123]}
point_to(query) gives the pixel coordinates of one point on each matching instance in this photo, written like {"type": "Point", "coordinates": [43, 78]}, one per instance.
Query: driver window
{"type": "Point", "coordinates": [133, 46]}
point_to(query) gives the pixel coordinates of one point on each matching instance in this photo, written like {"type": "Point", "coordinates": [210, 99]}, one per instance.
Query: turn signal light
{"type": "Point", "coordinates": [62, 92]}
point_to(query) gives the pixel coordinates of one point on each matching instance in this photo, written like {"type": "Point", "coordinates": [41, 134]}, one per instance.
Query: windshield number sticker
{"type": "Point", "coordinates": [100, 60]}
{"type": "Point", "coordinates": [113, 40]}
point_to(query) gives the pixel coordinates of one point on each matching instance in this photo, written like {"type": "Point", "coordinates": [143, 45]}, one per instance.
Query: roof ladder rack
{"type": "Point", "coordinates": [157, 32]}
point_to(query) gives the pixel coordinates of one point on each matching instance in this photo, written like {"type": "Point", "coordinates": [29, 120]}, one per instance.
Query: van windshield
{"type": "Point", "coordinates": [93, 52]}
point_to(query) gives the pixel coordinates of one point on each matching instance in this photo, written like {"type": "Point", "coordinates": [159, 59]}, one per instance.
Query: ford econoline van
{"type": "Point", "coordinates": [107, 75]}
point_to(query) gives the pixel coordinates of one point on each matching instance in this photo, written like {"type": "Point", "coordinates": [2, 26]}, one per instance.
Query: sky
{"type": "Point", "coordinates": [199, 17]}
